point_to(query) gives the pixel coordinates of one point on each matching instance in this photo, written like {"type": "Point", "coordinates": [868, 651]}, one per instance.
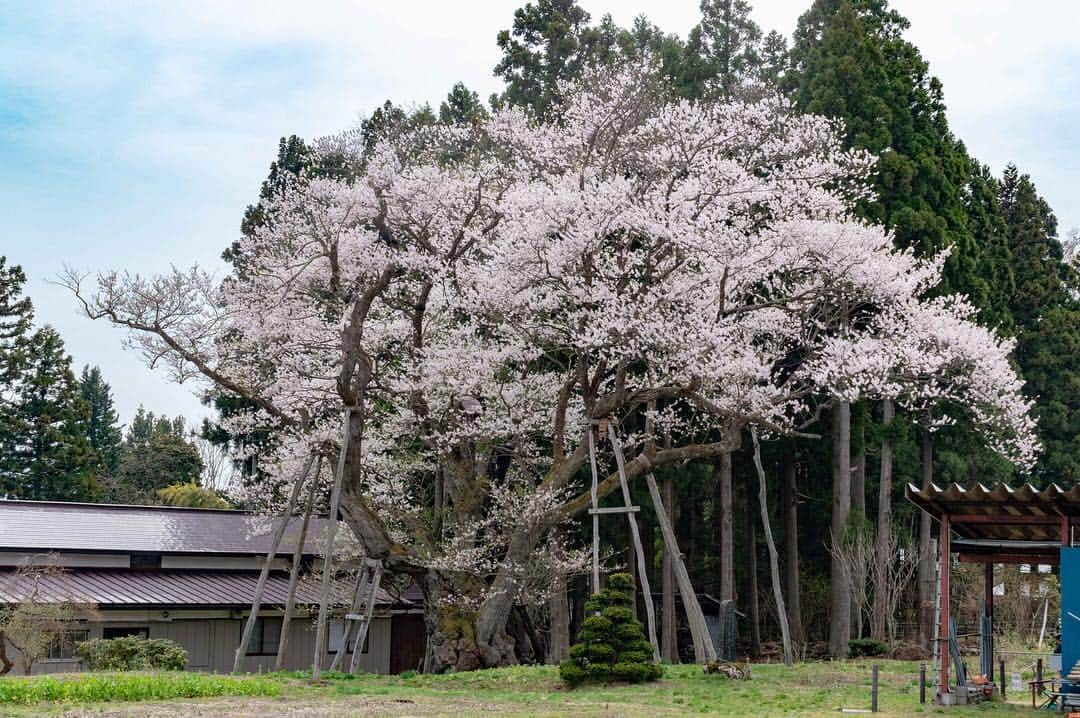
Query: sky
{"type": "Point", "coordinates": [133, 134]}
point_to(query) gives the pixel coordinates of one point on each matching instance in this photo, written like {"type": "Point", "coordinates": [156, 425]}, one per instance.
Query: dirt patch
{"type": "Point", "coordinates": [292, 708]}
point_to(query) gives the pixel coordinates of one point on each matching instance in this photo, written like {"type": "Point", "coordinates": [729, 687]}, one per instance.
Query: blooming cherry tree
{"type": "Point", "coordinates": [468, 301]}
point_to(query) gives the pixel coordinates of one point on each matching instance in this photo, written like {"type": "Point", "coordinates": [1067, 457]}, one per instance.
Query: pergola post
{"type": "Point", "coordinates": [943, 687]}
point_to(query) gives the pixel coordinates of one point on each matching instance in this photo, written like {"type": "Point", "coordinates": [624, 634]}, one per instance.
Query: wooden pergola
{"type": "Point", "coordinates": [994, 525]}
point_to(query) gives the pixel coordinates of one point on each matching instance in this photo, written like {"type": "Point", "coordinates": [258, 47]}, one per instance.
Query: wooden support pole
{"type": "Point", "coordinates": [275, 542]}
{"type": "Point", "coordinates": [943, 686]}
{"type": "Point", "coordinates": [294, 570]}
{"type": "Point", "coordinates": [595, 516]}
{"type": "Point", "coordinates": [348, 625]}
{"type": "Point", "coordinates": [774, 560]}
{"type": "Point", "coordinates": [643, 573]}
{"type": "Point", "coordinates": [699, 631]}
{"type": "Point", "coordinates": [328, 558]}
{"type": "Point", "coordinates": [369, 612]}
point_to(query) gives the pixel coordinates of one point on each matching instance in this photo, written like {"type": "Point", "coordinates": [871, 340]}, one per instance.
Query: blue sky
{"type": "Point", "coordinates": [132, 135]}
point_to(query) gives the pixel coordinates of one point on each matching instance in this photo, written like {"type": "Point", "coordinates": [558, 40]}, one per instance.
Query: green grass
{"type": "Point", "coordinates": [809, 689]}
{"type": "Point", "coordinates": [105, 687]}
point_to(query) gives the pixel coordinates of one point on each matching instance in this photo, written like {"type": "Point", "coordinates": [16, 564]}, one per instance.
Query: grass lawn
{"type": "Point", "coordinates": [811, 689]}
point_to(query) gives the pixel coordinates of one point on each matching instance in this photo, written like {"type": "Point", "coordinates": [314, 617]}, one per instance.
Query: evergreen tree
{"type": "Point", "coordinates": [156, 454]}
{"type": "Point", "coordinates": [16, 315]}
{"type": "Point", "coordinates": [850, 61]}
{"type": "Point", "coordinates": [1046, 311]}
{"type": "Point", "coordinates": [549, 43]}
{"type": "Point", "coordinates": [102, 424]}
{"type": "Point", "coordinates": [611, 645]}
{"type": "Point", "coordinates": [730, 44]}
{"type": "Point", "coordinates": [462, 106]}
{"type": "Point", "coordinates": [45, 453]}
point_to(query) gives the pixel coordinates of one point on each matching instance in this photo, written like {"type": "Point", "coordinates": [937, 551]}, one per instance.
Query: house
{"type": "Point", "coordinates": [189, 575]}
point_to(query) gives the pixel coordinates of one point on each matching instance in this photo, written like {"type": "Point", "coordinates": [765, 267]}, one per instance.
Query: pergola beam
{"type": "Point", "coordinates": [1011, 558]}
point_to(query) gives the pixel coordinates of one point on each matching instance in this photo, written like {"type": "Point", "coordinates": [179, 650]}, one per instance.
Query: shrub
{"type": "Point", "coordinates": [611, 646]}
{"type": "Point", "coordinates": [866, 647]}
{"type": "Point", "coordinates": [132, 653]}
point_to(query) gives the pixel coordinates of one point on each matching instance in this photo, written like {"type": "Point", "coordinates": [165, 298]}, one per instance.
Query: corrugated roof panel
{"type": "Point", "coordinates": [35, 525]}
{"type": "Point", "coordinates": [120, 587]}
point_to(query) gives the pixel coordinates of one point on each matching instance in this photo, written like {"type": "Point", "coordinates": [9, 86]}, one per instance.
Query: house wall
{"type": "Point", "coordinates": [211, 638]}
{"type": "Point", "coordinates": [65, 559]}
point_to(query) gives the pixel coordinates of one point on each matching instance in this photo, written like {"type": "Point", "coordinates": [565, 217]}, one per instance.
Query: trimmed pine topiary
{"type": "Point", "coordinates": [611, 645]}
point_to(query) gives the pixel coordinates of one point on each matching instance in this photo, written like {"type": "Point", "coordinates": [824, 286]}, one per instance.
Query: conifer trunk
{"type": "Point", "coordinates": [753, 608]}
{"type": "Point", "coordinates": [879, 617]}
{"type": "Point", "coordinates": [727, 536]}
{"type": "Point", "coordinates": [790, 508]}
{"type": "Point", "coordinates": [926, 558]}
{"type": "Point", "coordinates": [839, 585]}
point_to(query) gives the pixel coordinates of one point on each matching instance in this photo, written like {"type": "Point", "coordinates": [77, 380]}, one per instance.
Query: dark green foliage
{"type": "Point", "coordinates": [1046, 314]}
{"type": "Point", "coordinates": [611, 645]}
{"type": "Point", "coordinates": [102, 425]}
{"type": "Point", "coordinates": [866, 647]}
{"type": "Point", "coordinates": [462, 106]}
{"type": "Point", "coordinates": [730, 42]}
{"type": "Point", "coordinates": [157, 454]}
{"type": "Point", "coordinates": [850, 62]}
{"type": "Point", "coordinates": [16, 315]}
{"type": "Point", "coordinates": [132, 653]}
{"type": "Point", "coordinates": [550, 42]}
{"type": "Point", "coordinates": [44, 451]}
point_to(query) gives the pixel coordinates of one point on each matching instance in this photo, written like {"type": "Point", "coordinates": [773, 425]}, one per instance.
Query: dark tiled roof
{"type": "Point", "coordinates": [170, 588]}
{"type": "Point", "coordinates": [56, 526]}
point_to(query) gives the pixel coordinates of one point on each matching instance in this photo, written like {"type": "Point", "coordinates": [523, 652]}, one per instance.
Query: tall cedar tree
{"type": "Point", "coordinates": [102, 424]}
{"type": "Point", "coordinates": [550, 42]}
{"type": "Point", "coordinates": [45, 453]}
{"type": "Point", "coordinates": [1045, 308]}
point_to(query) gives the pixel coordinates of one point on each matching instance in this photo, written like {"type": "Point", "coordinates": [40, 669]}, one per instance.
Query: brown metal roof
{"type": "Point", "coordinates": [58, 526]}
{"type": "Point", "coordinates": [121, 587]}
{"type": "Point", "coordinates": [1001, 512]}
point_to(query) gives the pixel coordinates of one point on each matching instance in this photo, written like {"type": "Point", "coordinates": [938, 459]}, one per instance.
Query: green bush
{"type": "Point", "coordinates": [611, 646]}
{"type": "Point", "coordinates": [97, 687]}
{"type": "Point", "coordinates": [132, 653]}
{"type": "Point", "coordinates": [866, 647]}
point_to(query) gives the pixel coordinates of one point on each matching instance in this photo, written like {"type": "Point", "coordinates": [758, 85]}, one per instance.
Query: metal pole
{"type": "Point", "coordinates": [873, 688]}
{"type": "Point", "coordinates": [943, 687]}
{"type": "Point", "coordinates": [1001, 670]}
{"type": "Point", "coordinates": [922, 683]}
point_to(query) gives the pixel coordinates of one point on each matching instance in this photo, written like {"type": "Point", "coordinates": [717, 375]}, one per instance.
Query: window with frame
{"type": "Point", "coordinates": [63, 646]}
{"type": "Point", "coordinates": [265, 636]}
{"type": "Point", "coordinates": [124, 631]}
